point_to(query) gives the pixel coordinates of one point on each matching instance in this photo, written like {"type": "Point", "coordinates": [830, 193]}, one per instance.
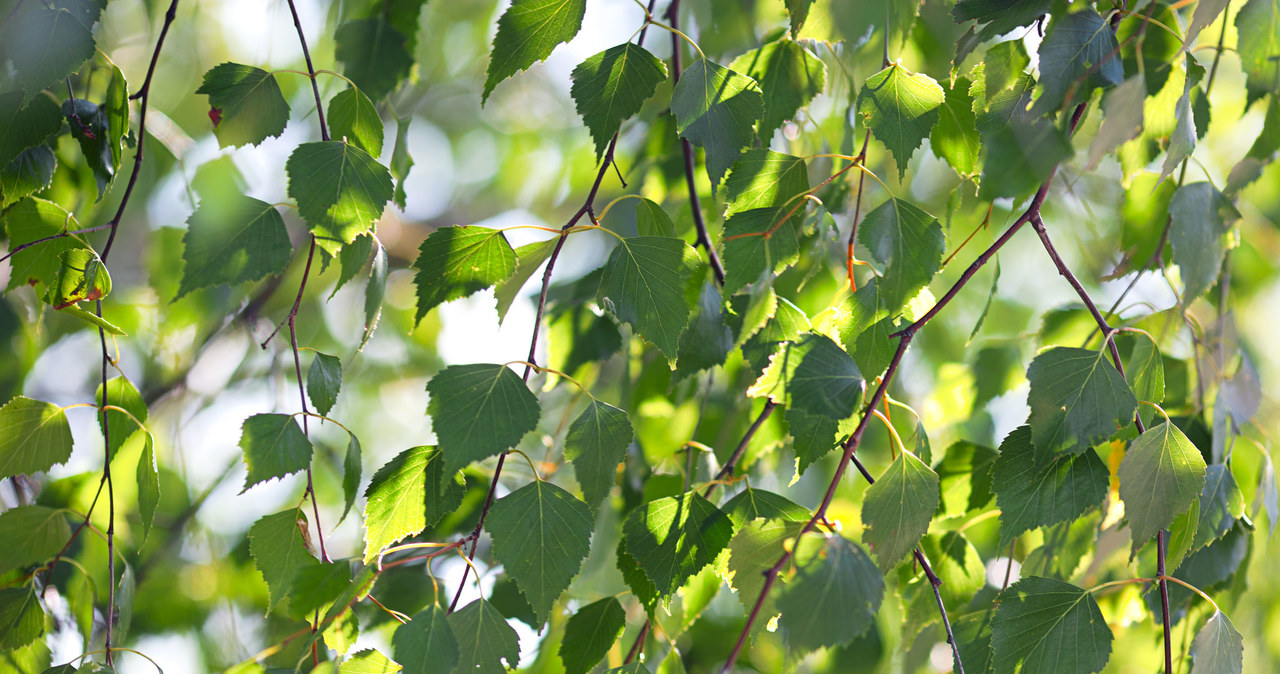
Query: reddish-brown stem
{"type": "Point", "coordinates": [311, 71]}
{"type": "Point", "coordinates": [638, 645]}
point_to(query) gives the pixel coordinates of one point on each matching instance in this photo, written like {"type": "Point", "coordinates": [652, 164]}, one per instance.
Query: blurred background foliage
{"type": "Point", "coordinates": [525, 158]}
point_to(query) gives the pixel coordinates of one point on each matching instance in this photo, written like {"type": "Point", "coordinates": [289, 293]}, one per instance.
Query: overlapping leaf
{"type": "Point", "coordinates": [643, 284]}
{"type": "Point", "coordinates": [280, 551]}
{"type": "Point", "coordinates": [900, 107]}
{"type": "Point", "coordinates": [610, 87]}
{"type": "Point", "coordinates": [789, 75]}
{"type": "Point", "coordinates": [374, 54]}
{"type": "Point", "coordinates": [45, 44]}
{"type": "Point", "coordinates": [597, 442]}
{"type": "Point", "coordinates": [32, 534]}
{"type": "Point", "coordinates": [457, 261]}
{"type": "Point", "coordinates": [716, 109]}
{"type": "Point", "coordinates": [1160, 476]}
{"type": "Point", "coordinates": [121, 426]}
{"type": "Point", "coordinates": [833, 599]}
{"type": "Point", "coordinates": [340, 190]}
{"type": "Point", "coordinates": [478, 411]}
{"type": "Point", "coordinates": [1035, 490]}
{"type": "Point", "coordinates": [909, 243]}
{"type": "Point", "coordinates": [1258, 26]}
{"type": "Point", "coordinates": [25, 126]}
{"type": "Point", "coordinates": [759, 240]}
{"type": "Point", "coordinates": [34, 436]}
{"type": "Point", "coordinates": [1077, 400]}
{"type": "Point", "coordinates": [762, 178]}
{"type": "Point", "coordinates": [1079, 54]}
{"type": "Point", "coordinates": [400, 496]}
{"type": "Point", "coordinates": [233, 240]}
{"type": "Point", "coordinates": [673, 538]}
{"type": "Point", "coordinates": [898, 507]}
{"type": "Point", "coordinates": [353, 117]}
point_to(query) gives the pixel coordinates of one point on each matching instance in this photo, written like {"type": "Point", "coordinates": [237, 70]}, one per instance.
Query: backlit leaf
{"type": "Point", "coordinates": [369, 662]}
{"type": "Point", "coordinates": [1202, 216]}
{"type": "Point", "coordinates": [716, 109]}
{"type": "Point", "coordinates": [597, 442]}
{"type": "Point", "coordinates": [541, 534]}
{"type": "Point", "coordinates": [707, 340]}
{"type": "Point", "coordinates": [643, 284]}
{"type": "Point", "coordinates": [590, 633]}
{"type": "Point", "coordinates": [1162, 473]}
{"type": "Point", "coordinates": [672, 538]}
{"type": "Point", "coordinates": [81, 276]}
{"type": "Point", "coordinates": [610, 87]}
{"type": "Point", "coordinates": [457, 261]}
{"type": "Point", "coordinates": [374, 292]}
{"type": "Point", "coordinates": [751, 504]}
{"type": "Point", "coordinates": [340, 190]}
{"type": "Point", "coordinates": [762, 178]}
{"type": "Point", "coordinates": [34, 437]}
{"type": "Point", "coordinates": [909, 243]}
{"type": "Point", "coordinates": [352, 116]}
{"type": "Point", "coordinates": [898, 507]}
{"type": "Point", "coordinates": [120, 427]}
{"type": "Point", "coordinates": [527, 33]}
{"type": "Point", "coordinates": [233, 240]}
{"type": "Point", "coordinates": [1077, 400]}
{"type": "Point", "coordinates": [32, 534]}
{"type": "Point", "coordinates": [273, 447]}
{"type": "Point", "coordinates": [324, 380]}
{"type": "Point", "coordinates": [528, 259]}
{"type": "Point", "coordinates": [1020, 156]}
{"type": "Point", "coordinates": [789, 75]}
{"type": "Point", "coordinates": [280, 551]}
{"type": "Point", "coordinates": [833, 599]}
{"type": "Point", "coordinates": [826, 382]}
{"type": "Point", "coordinates": [249, 102]}
{"type": "Point", "coordinates": [478, 411]}
{"type": "Point", "coordinates": [148, 477]}
{"type": "Point", "coordinates": [900, 107]}
{"type": "Point", "coordinates": [1044, 625]}
{"type": "Point", "coordinates": [955, 137]}
{"type": "Point", "coordinates": [759, 240]}
{"type": "Point", "coordinates": [396, 496]}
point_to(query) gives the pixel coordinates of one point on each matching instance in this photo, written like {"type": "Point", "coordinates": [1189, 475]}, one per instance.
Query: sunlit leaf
{"type": "Point", "coordinates": [353, 117]}
{"type": "Point", "coordinates": [759, 240]}
{"type": "Point", "coordinates": [762, 178]}
{"type": "Point", "coordinates": [898, 507]}
{"type": "Point", "coordinates": [643, 284]}
{"type": "Point", "coordinates": [273, 447]}
{"type": "Point", "coordinates": [1162, 473]}
{"type": "Point", "coordinates": [340, 190]}
{"type": "Point", "coordinates": [280, 551]}
{"type": "Point", "coordinates": [610, 87]}
{"type": "Point", "coordinates": [908, 242]}
{"type": "Point", "coordinates": [900, 107]}
{"type": "Point", "coordinates": [672, 538]}
{"type": "Point", "coordinates": [527, 33]}
{"type": "Point", "coordinates": [478, 411]}
{"type": "Point", "coordinates": [34, 437]}
{"type": "Point", "coordinates": [1044, 625]}
{"type": "Point", "coordinates": [232, 241]}
{"type": "Point", "coordinates": [716, 109]}
{"type": "Point", "coordinates": [789, 75]}
{"type": "Point", "coordinates": [457, 261]}
{"type": "Point", "coordinates": [121, 426]}
{"type": "Point", "coordinates": [1077, 400]}
{"type": "Point", "coordinates": [250, 107]}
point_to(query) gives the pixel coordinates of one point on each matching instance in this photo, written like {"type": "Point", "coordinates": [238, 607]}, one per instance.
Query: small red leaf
{"type": "Point", "coordinates": [215, 114]}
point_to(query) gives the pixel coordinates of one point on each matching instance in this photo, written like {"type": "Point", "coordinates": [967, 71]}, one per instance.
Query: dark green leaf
{"type": "Point", "coordinates": [672, 538]}
{"type": "Point", "coordinates": [1202, 216]}
{"type": "Point", "coordinates": [1218, 647]}
{"type": "Point", "coordinates": [994, 111]}
{"type": "Point", "coordinates": [1077, 400]}
{"type": "Point", "coordinates": [813, 437]}
{"type": "Point", "coordinates": [120, 427]}
{"type": "Point", "coordinates": [340, 190]}
{"type": "Point", "coordinates": [751, 504]}
{"type": "Point", "coordinates": [374, 54]}
{"type": "Point", "coordinates": [789, 75]}
{"type": "Point", "coordinates": [955, 137]}
{"type": "Point", "coordinates": [45, 45]}
{"type": "Point", "coordinates": [1046, 625]}
{"type": "Point", "coordinates": [232, 241]}
{"type": "Point", "coordinates": [826, 382]}
{"type": "Point", "coordinates": [900, 107]}
{"type": "Point", "coordinates": [457, 261]}
{"type": "Point", "coordinates": [833, 598]}
{"type": "Point", "coordinates": [352, 117]}
{"type": "Point", "coordinates": [1160, 476]}
{"type": "Point", "coordinates": [1221, 504]}
{"type": "Point", "coordinates": [527, 33]}
{"type": "Point", "coordinates": [1079, 54]}
{"type": "Point", "coordinates": [643, 284]}
{"type": "Point", "coordinates": [484, 639]}
{"type": "Point", "coordinates": [351, 259]}
{"type": "Point", "coordinates": [478, 411]}
{"type": "Point", "coordinates": [34, 437]}
{"type": "Point", "coordinates": [23, 127]}
{"type": "Point", "coordinates": [590, 634]}
{"type": "Point", "coordinates": [708, 339]}
{"type": "Point", "coordinates": [30, 172]}
{"type": "Point", "coordinates": [1000, 16]}
{"type": "Point", "coordinates": [89, 126]}
{"type": "Point", "coordinates": [273, 447]}
{"type": "Point", "coordinates": [401, 161]}
{"type": "Point", "coordinates": [1020, 156]}
{"type": "Point", "coordinates": [32, 534]}
{"type": "Point", "coordinates": [762, 178]}
{"type": "Point", "coordinates": [324, 380]}
{"type": "Point", "coordinates": [352, 467]}
{"type": "Point", "coordinates": [716, 109]}
{"type": "Point", "coordinates": [21, 617]}
{"type": "Point", "coordinates": [898, 507]}
{"type": "Point", "coordinates": [759, 241]}
{"type": "Point", "coordinates": [597, 442]}
{"type": "Point", "coordinates": [541, 534]}
{"type": "Point", "coordinates": [610, 87]}
{"type": "Point", "coordinates": [1035, 490]}
{"type": "Point", "coordinates": [1258, 27]}
{"type": "Point", "coordinates": [652, 220]}
{"type": "Point", "coordinates": [248, 103]}
{"type": "Point", "coordinates": [281, 551]}
{"type": "Point", "coordinates": [909, 243]}
{"type": "Point", "coordinates": [425, 644]}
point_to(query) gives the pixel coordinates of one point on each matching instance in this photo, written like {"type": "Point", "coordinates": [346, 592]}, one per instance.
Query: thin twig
{"type": "Point", "coordinates": [857, 209]}
{"type": "Point", "coordinates": [637, 645]}
{"type": "Point", "coordinates": [311, 71]}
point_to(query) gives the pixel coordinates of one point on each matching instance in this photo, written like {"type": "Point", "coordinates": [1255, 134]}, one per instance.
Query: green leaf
{"type": "Point", "coordinates": [1221, 504]}
{"type": "Point", "coordinates": [245, 103]}
{"type": "Point", "coordinates": [1020, 157]}
{"type": "Point", "coordinates": [751, 504]}
{"type": "Point", "coordinates": [369, 662]}
{"type": "Point", "coordinates": [281, 551]}
{"type": "Point", "coordinates": [1160, 476]}
{"type": "Point", "coordinates": [708, 340]}
{"type": "Point", "coordinates": [672, 538]}
{"type": "Point", "coordinates": [457, 261]}
{"type": "Point", "coordinates": [233, 240]}
{"type": "Point", "coordinates": [652, 220]}
{"type": "Point", "coordinates": [995, 110]}
{"type": "Point", "coordinates": [394, 506]}
{"type": "Point", "coordinates": [94, 319]}
{"type": "Point", "coordinates": [401, 161]}
{"type": "Point", "coordinates": [590, 633]}
{"type": "Point", "coordinates": [833, 599]}
{"type": "Point", "coordinates": [898, 507]}
{"type": "Point", "coordinates": [374, 54]}
{"type": "Point", "coordinates": [32, 534]}
{"type": "Point", "coordinates": [426, 643]}
{"type": "Point", "coordinates": [340, 190]}
{"type": "Point", "coordinates": [1046, 625]}
{"type": "Point", "coordinates": [900, 107]}
{"type": "Point", "coordinates": [1079, 54]}
{"type": "Point", "coordinates": [148, 477]}
{"type": "Point", "coordinates": [528, 259]}
{"type": "Point", "coordinates": [964, 477]}
{"type": "Point", "coordinates": [324, 380]}
{"type": "Point", "coordinates": [1182, 140]}
{"type": "Point", "coordinates": [716, 109]}
{"type": "Point", "coordinates": [351, 260]}
{"type": "Point", "coordinates": [1121, 121]}
{"type": "Point", "coordinates": [955, 137]}
{"type": "Point", "coordinates": [478, 411]}
{"type": "Point", "coordinates": [30, 172]}
{"type": "Point", "coordinates": [541, 534]}
{"type": "Point", "coordinates": [999, 16]}
{"type": "Point", "coordinates": [1202, 217]}
{"type": "Point", "coordinates": [812, 437]}
{"type": "Point", "coordinates": [527, 33]}
{"type": "Point", "coordinates": [643, 284]}
{"type": "Point", "coordinates": [758, 241]}
{"type": "Point", "coordinates": [1218, 647]}
{"type": "Point", "coordinates": [610, 87]}
{"type": "Point", "coordinates": [484, 639]}
{"type": "Point", "coordinates": [21, 617]}
{"type": "Point", "coordinates": [826, 382]}
{"type": "Point", "coordinates": [89, 126]}
{"type": "Point", "coordinates": [909, 243]}
{"type": "Point", "coordinates": [46, 45]}
{"type": "Point", "coordinates": [1077, 400]}
{"type": "Point", "coordinates": [352, 117]}
{"type": "Point", "coordinates": [633, 668]}
{"type": "Point", "coordinates": [789, 75]}
{"type": "Point", "coordinates": [1034, 489]}
{"type": "Point", "coordinates": [762, 178]}
{"type": "Point", "coordinates": [374, 292]}
{"type": "Point", "coordinates": [958, 564]}
{"type": "Point", "coordinates": [597, 442]}
{"type": "Point", "coordinates": [81, 276]}
{"type": "Point", "coordinates": [23, 127]}
{"type": "Point", "coordinates": [1205, 14]}
{"type": "Point", "coordinates": [120, 427]}
{"type": "Point", "coordinates": [1003, 68]}
{"type": "Point", "coordinates": [754, 549]}
{"type": "Point", "coordinates": [1258, 27]}
{"type": "Point", "coordinates": [34, 437]}
{"type": "Point", "coordinates": [1143, 366]}
{"type": "Point", "coordinates": [126, 590]}
{"type": "Point", "coordinates": [273, 447]}
{"type": "Point", "coordinates": [116, 109]}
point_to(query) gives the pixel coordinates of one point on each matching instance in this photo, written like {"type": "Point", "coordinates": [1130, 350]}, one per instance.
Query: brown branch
{"type": "Point", "coordinates": [311, 71]}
